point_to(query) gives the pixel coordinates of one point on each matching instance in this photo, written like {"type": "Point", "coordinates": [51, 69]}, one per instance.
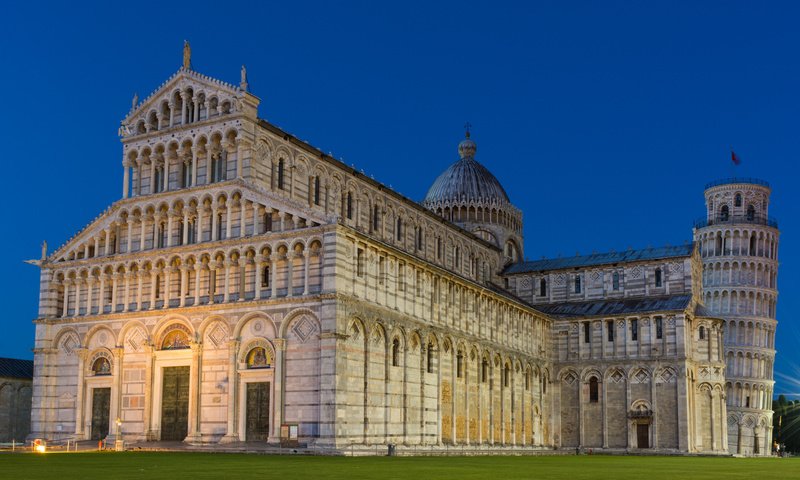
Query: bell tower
{"type": "Point", "coordinates": [739, 247]}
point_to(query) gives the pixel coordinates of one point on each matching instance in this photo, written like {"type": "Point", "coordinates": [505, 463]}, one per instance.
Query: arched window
{"type": "Point", "coordinates": [751, 213]}
{"type": "Point", "coordinates": [218, 166]}
{"type": "Point", "coordinates": [280, 173]}
{"type": "Point", "coordinates": [737, 200]}
{"type": "Point", "coordinates": [268, 221]}
{"type": "Point", "coordinates": [395, 353]}
{"type": "Point", "coordinates": [101, 366]}
{"type": "Point", "coordinates": [594, 390]}
{"type": "Point", "coordinates": [577, 284]}
{"type": "Point", "coordinates": [349, 206]}
{"type": "Point", "coordinates": [615, 281]}
{"type": "Point", "coordinates": [399, 229]}
{"type": "Point", "coordinates": [316, 190]}
{"type": "Point", "coordinates": [186, 175]}
{"type": "Point", "coordinates": [259, 357]}
{"type": "Point", "coordinates": [506, 375]}
{"type": "Point", "coordinates": [724, 214]}
{"type": "Point", "coordinates": [158, 181]}
{"type": "Point", "coordinates": [658, 276]}
{"type": "Point", "coordinates": [375, 217]}
{"type": "Point", "coordinates": [542, 287]}
{"type": "Point", "coordinates": [460, 364]}
{"type": "Point", "coordinates": [752, 245]}
{"type": "Point", "coordinates": [702, 332]}
{"type": "Point", "coordinates": [265, 277]}
{"type": "Point", "coordinates": [485, 370]}
{"type": "Point", "coordinates": [430, 358]}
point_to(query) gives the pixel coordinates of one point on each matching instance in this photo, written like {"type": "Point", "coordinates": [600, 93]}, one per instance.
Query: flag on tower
{"type": "Point", "coordinates": [735, 158]}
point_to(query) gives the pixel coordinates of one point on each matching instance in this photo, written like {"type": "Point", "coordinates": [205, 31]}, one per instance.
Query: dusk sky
{"type": "Point", "coordinates": [603, 120]}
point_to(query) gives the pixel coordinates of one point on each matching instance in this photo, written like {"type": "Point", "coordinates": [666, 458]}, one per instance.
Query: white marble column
{"type": "Point", "coordinates": [82, 353]}
{"type": "Point", "coordinates": [232, 433]}
{"type": "Point", "coordinates": [126, 178]}
{"type": "Point", "coordinates": [195, 379]}
{"type": "Point", "coordinates": [226, 294]}
{"type": "Point", "coordinates": [280, 348]}
{"type": "Point", "coordinates": [116, 394]}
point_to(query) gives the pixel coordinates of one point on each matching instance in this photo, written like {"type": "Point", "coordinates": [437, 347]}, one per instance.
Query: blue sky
{"type": "Point", "coordinates": [603, 120]}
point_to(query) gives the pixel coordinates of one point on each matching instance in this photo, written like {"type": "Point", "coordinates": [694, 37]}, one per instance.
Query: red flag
{"type": "Point", "coordinates": [735, 158]}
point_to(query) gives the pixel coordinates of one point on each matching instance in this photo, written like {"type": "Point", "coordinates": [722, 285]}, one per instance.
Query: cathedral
{"type": "Point", "coordinates": [248, 287]}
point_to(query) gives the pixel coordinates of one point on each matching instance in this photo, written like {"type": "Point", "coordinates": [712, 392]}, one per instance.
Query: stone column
{"type": "Point", "coordinates": [152, 175]}
{"type": "Point", "coordinates": [108, 242]}
{"type": "Point", "coordinates": [242, 280]}
{"type": "Point", "coordinates": [126, 178]}
{"type": "Point", "coordinates": [239, 155]}
{"type": "Point", "coordinates": [170, 216]}
{"type": "Point", "coordinates": [280, 349]}
{"type": "Point", "coordinates": [273, 271]}
{"type": "Point", "coordinates": [306, 259]}
{"type": "Point", "coordinates": [214, 223]}
{"type": "Point", "coordinates": [82, 354]}
{"type": "Point", "coordinates": [226, 295]}
{"type": "Point", "coordinates": [228, 220]}
{"type": "Point", "coordinates": [114, 291]}
{"type": "Point", "coordinates": [127, 292]}
{"type": "Point", "coordinates": [242, 218]}
{"type": "Point", "coordinates": [209, 164]}
{"type": "Point", "coordinates": [116, 394]}
{"type": "Point", "coordinates": [195, 157]}
{"type": "Point", "coordinates": [101, 297]}
{"type": "Point", "coordinates": [259, 287]}
{"type": "Point", "coordinates": [130, 235]}
{"type": "Point", "coordinates": [184, 283]}
{"type": "Point", "coordinates": [196, 112]}
{"type": "Point", "coordinates": [89, 288]}
{"type": "Point", "coordinates": [147, 415]}
{"type": "Point", "coordinates": [167, 285]}
{"type": "Point", "coordinates": [139, 282]}
{"type": "Point", "coordinates": [153, 280]}
{"type": "Point", "coordinates": [198, 270]}
{"type": "Point", "coordinates": [185, 233]}
{"type": "Point", "coordinates": [143, 221]}
{"type": "Point", "coordinates": [232, 434]}
{"type": "Point", "coordinates": [195, 379]}
{"type": "Point", "coordinates": [184, 108]}
{"type": "Point", "coordinates": [199, 223]}
{"type": "Point", "coordinates": [289, 272]}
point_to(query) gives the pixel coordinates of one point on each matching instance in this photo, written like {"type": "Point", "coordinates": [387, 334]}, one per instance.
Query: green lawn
{"type": "Point", "coordinates": [173, 466]}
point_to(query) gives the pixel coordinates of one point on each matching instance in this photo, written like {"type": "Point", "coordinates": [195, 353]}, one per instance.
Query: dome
{"type": "Point", "coordinates": [466, 180]}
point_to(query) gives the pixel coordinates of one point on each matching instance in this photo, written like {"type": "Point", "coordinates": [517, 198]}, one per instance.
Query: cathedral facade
{"type": "Point", "coordinates": [248, 287]}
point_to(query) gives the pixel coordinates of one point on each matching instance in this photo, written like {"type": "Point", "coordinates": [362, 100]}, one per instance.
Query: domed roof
{"type": "Point", "coordinates": [466, 180]}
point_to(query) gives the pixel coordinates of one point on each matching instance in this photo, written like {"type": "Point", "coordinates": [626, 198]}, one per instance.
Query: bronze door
{"type": "Point", "coordinates": [175, 404]}
{"type": "Point", "coordinates": [643, 435]}
{"type": "Point", "coordinates": [257, 411]}
{"type": "Point", "coordinates": [101, 400]}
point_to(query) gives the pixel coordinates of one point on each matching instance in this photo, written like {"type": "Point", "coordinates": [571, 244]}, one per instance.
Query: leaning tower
{"type": "Point", "coordinates": [739, 246]}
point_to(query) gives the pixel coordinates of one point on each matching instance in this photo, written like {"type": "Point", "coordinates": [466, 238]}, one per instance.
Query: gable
{"type": "Point", "coordinates": [199, 91]}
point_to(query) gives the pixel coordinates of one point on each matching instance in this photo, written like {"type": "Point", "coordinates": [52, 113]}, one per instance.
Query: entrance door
{"type": "Point", "coordinates": [175, 404]}
{"type": "Point", "coordinates": [101, 407]}
{"type": "Point", "coordinates": [257, 411]}
{"type": "Point", "coordinates": [643, 435]}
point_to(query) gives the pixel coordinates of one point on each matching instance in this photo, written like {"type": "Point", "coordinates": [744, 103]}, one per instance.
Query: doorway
{"type": "Point", "coordinates": [101, 408]}
{"type": "Point", "coordinates": [257, 421]}
{"type": "Point", "coordinates": [643, 435]}
{"type": "Point", "coordinates": [175, 404]}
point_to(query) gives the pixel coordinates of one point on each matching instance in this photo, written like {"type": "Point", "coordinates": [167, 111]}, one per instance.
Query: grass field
{"type": "Point", "coordinates": [139, 465]}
